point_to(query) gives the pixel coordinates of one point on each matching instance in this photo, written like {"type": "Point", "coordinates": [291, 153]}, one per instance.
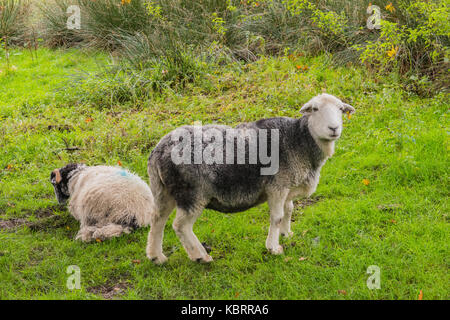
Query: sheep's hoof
{"type": "Point", "coordinates": [205, 259]}
{"type": "Point", "coordinates": [84, 238]}
{"type": "Point", "coordinates": [159, 259]}
{"type": "Point", "coordinates": [277, 250]}
{"type": "Point", "coordinates": [287, 234]}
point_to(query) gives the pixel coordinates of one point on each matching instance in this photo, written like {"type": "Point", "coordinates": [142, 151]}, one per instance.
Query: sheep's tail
{"type": "Point", "coordinates": [162, 200]}
{"type": "Point", "coordinates": [156, 183]}
{"type": "Point", "coordinates": [111, 230]}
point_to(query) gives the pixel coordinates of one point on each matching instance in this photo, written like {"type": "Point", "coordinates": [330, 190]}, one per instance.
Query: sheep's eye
{"type": "Point", "coordinates": [315, 109]}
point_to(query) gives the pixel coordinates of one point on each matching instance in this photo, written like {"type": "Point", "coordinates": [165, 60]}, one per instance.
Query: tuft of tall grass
{"type": "Point", "coordinates": [54, 24]}
{"type": "Point", "coordinates": [107, 21]}
{"type": "Point", "coordinates": [13, 14]}
{"type": "Point", "coordinates": [167, 61]}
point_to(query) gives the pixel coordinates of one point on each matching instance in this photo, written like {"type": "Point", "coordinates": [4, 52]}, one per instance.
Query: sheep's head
{"type": "Point", "coordinates": [60, 180]}
{"type": "Point", "coordinates": [325, 116]}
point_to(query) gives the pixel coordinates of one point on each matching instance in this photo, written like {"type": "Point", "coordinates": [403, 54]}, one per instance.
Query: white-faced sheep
{"type": "Point", "coordinates": [235, 180]}
{"type": "Point", "coordinates": [108, 201]}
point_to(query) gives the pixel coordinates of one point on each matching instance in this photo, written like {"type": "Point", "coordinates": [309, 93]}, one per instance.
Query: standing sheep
{"type": "Point", "coordinates": [235, 180]}
{"type": "Point", "coordinates": [108, 201]}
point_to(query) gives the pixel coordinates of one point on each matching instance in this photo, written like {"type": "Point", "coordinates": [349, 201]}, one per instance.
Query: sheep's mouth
{"type": "Point", "coordinates": [62, 201]}
{"type": "Point", "coordinates": [60, 196]}
{"type": "Point", "coordinates": [334, 136]}
{"type": "Point", "coordinates": [331, 137]}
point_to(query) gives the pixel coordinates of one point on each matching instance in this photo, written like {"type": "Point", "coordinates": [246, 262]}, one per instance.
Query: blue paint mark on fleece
{"type": "Point", "coordinates": [123, 173]}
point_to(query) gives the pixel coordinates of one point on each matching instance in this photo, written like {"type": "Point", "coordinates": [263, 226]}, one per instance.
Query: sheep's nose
{"type": "Point", "coordinates": [333, 128]}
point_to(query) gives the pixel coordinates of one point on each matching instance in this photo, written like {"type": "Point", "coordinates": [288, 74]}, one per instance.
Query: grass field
{"type": "Point", "coordinates": [382, 199]}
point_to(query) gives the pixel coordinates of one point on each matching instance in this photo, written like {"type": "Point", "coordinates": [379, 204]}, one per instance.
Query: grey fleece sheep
{"type": "Point", "coordinates": [108, 201]}
{"type": "Point", "coordinates": [193, 168]}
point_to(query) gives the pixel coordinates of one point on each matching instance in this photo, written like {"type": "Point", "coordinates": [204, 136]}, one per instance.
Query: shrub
{"type": "Point", "coordinates": [413, 40]}
{"type": "Point", "coordinates": [417, 45]}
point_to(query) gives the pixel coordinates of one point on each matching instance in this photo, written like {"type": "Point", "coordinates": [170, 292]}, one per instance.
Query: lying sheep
{"type": "Point", "coordinates": [108, 201]}
{"type": "Point", "coordinates": [179, 177]}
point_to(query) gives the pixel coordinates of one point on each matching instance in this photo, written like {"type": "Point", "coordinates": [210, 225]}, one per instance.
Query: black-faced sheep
{"type": "Point", "coordinates": [108, 201]}
{"type": "Point", "coordinates": [217, 167]}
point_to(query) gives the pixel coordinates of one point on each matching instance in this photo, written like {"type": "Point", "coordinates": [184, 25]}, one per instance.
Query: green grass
{"type": "Point", "coordinates": [399, 221]}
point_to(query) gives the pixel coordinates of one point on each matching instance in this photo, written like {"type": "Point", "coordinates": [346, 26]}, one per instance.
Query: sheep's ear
{"type": "Point", "coordinates": [57, 176]}
{"type": "Point", "coordinates": [307, 108]}
{"type": "Point", "coordinates": [347, 108]}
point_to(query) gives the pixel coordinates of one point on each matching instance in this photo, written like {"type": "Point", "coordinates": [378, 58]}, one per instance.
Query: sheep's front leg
{"type": "Point", "coordinates": [285, 227]}
{"type": "Point", "coordinates": [183, 226]}
{"type": "Point", "coordinates": [276, 205]}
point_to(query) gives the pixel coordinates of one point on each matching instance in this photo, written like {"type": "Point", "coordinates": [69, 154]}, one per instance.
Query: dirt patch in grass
{"type": "Point", "coordinates": [110, 291]}
{"type": "Point", "coordinates": [13, 223]}
{"type": "Point", "coordinates": [41, 224]}
{"type": "Point", "coordinates": [45, 219]}
{"type": "Point", "coordinates": [389, 207]}
{"type": "Point", "coordinates": [51, 222]}
{"type": "Point", "coordinates": [45, 212]}
{"type": "Point", "coordinates": [61, 128]}
{"type": "Point", "coordinates": [303, 203]}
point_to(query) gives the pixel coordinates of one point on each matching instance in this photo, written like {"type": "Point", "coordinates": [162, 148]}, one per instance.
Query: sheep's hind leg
{"type": "Point", "coordinates": [183, 226]}
{"type": "Point", "coordinates": [85, 233]}
{"type": "Point", "coordinates": [276, 202]}
{"type": "Point", "coordinates": [109, 231]}
{"type": "Point", "coordinates": [285, 226]}
{"type": "Point", "coordinates": [156, 234]}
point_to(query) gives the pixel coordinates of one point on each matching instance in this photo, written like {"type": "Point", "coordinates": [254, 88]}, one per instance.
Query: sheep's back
{"type": "Point", "coordinates": [110, 195]}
